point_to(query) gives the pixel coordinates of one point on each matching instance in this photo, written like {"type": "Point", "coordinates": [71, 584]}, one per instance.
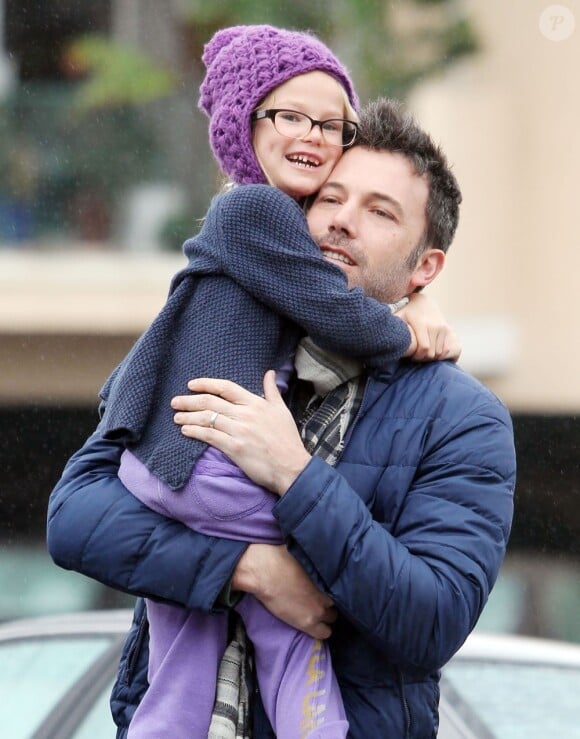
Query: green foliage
{"type": "Point", "coordinates": [89, 134]}
{"type": "Point", "coordinates": [387, 46]}
{"type": "Point", "coordinates": [219, 13]}
{"type": "Point", "coordinates": [117, 74]}
{"type": "Point", "coordinates": [51, 157]}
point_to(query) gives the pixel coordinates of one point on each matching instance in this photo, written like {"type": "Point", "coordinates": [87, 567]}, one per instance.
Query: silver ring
{"type": "Point", "coordinates": [213, 419]}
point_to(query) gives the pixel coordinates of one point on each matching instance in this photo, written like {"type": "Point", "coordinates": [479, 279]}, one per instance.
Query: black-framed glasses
{"type": "Point", "coordinates": [296, 125]}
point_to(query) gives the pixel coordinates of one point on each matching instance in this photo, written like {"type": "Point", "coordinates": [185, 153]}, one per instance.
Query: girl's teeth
{"type": "Point", "coordinates": [303, 161]}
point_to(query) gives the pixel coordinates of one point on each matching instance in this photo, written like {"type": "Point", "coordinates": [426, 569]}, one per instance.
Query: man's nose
{"type": "Point", "coordinates": [344, 220]}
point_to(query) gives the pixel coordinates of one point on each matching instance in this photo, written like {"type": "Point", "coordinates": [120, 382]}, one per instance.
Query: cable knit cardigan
{"type": "Point", "coordinates": [254, 284]}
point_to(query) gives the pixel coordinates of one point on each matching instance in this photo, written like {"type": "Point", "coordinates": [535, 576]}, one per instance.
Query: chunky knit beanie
{"type": "Point", "coordinates": [244, 64]}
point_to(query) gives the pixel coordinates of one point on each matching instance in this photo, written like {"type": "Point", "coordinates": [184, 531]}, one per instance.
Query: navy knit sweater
{"type": "Point", "coordinates": [254, 284]}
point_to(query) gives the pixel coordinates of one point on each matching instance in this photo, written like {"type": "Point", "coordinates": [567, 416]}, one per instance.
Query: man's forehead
{"type": "Point", "coordinates": [378, 173]}
{"type": "Point", "coordinates": [378, 162]}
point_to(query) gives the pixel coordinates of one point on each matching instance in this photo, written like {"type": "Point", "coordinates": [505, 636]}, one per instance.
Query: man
{"type": "Point", "coordinates": [395, 499]}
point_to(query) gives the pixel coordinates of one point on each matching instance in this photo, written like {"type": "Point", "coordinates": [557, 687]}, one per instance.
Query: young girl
{"type": "Point", "coordinates": [281, 110]}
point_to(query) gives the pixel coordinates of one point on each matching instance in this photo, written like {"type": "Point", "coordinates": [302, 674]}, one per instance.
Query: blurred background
{"type": "Point", "coordinates": [105, 169]}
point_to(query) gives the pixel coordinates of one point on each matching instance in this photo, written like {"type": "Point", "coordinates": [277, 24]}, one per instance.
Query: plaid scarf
{"type": "Point", "coordinates": [231, 715]}
{"type": "Point", "coordinates": [323, 419]}
{"type": "Point", "coordinates": [338, 392]}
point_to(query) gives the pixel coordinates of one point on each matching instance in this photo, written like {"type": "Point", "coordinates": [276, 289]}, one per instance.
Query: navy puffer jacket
{"type": "Point", "coordinates": [406, 534]}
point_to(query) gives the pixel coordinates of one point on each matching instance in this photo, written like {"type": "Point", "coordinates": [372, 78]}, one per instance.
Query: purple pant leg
{"type": "Point", "coordinates": [298, 687]}
{"type": "Point", "coordinates": [300, 692]}
{"type": "Point", "coordinates": [185, 650]}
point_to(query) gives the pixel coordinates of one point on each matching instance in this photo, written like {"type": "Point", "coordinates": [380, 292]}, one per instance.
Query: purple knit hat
{"type": "Point", "coordinates": [244, 64]}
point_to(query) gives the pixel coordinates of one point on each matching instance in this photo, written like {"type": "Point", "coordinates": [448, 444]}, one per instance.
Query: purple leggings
{"type": "Point", "coordinates": [298, 688]}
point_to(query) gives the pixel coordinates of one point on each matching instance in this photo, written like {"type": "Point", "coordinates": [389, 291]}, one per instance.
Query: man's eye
{"type": "Point", "coordinates": [382, 213]}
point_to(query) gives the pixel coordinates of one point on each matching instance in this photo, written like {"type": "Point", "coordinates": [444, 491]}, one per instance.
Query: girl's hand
{"type": "Point", "coordinates": [432, 338]}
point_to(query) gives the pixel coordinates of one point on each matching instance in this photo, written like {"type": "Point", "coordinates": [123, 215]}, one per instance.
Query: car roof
{"type": "Point", "coordinates": [86, 622]}
{"type": "Point", "coordinates": [521, 649]}
{"type": "Point", "coordinates": [478, 646]}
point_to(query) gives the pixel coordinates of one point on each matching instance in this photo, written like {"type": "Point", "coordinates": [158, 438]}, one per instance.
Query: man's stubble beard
{"type": "Point", "coordinates": [387, 287]}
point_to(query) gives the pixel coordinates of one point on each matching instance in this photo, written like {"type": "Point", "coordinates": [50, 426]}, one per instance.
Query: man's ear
{"type": "Point", "coordinates": [430, 263]}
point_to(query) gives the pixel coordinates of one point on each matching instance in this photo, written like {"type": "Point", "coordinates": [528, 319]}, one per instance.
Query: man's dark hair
{"type": "Point", "coordinates": [386, 126]}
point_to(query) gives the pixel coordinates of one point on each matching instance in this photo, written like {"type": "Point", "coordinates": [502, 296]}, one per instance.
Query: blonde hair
{"type": "Point", "coordinates": [347, 110]}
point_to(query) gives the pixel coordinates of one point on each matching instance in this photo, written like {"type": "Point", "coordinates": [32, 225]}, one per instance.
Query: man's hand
{"type": "Point", "coordinates": [272, 575]}
{"type": "Point", "coordinates": [258, 434]}
{"type": "Point", "coordinates": [432, 338]}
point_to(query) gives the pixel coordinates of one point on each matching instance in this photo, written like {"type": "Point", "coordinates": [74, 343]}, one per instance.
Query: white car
{"type": "Point", "coordinates": [511, 687]}
{"type": "Point", "coordinates": [56, 674]}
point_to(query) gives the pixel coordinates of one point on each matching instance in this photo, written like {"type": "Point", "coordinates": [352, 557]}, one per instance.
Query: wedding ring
{"type": "Point", "coordinates": [213, 419]}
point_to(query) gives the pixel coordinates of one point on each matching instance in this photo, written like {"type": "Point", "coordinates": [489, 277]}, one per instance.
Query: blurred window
{"type": "Point", "coordinates": [518, 700]}
{"type": "Point", "coordinates": [98, 721]}
{"type": "Point", "coordinates": [36, 674]}
{"type": "Point", "coordinates": [32, 585]}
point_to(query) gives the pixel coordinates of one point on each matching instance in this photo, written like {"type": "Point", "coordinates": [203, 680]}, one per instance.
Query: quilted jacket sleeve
{"type": "Point", "coordinates": [266, 247]}
{"type": "Point", "coordinates": [414, 578]}
{"type": "Point", "coordinates": [96, 527]}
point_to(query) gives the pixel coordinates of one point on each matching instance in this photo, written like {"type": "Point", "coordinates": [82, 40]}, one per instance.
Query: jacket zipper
{"type": "Point", "coordinates": [405, 705]}
{"type": "Point", "coordinates": [135, 651]}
